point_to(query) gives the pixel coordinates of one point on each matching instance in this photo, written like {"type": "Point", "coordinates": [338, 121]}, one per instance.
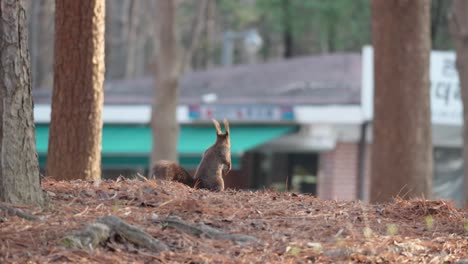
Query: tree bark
{"type": "Point", "coordinates": [76, 124]}
{"type": "Point", "coordinates": [19, 168]}
{"type": "Point", "coordinates": [458, 22]}
{"type": "Point", "coordinates": [166, 95]}
{"type": "Point", "coordinates": [34, 40]}
{"type": "Point", "coordinates": [402, 137]}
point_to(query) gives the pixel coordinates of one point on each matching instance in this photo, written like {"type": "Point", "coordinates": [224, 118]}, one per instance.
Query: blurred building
{"type": "Point", "coordinates": [301, 124]}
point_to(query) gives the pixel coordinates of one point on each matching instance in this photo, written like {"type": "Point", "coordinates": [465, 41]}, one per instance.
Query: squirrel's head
{"type": "Point", "coordinates": [222, 138]}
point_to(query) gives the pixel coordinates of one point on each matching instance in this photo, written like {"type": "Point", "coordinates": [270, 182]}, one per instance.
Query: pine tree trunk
{"type": "Point", "coordinates": [459, 29]}
{"type": "Point", "coordinates": [164, 114]}
{"type": "Point", "coordinates": [19, 168]}
{"type": "Point", "coordinates": [76, 123]}
{"type": "Point", "coordinates": [402, 138]}
{"type": "Point", "coordinates": [34, 40]}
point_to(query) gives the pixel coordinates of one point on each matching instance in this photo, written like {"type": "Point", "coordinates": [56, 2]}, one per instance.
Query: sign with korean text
{"type": "Point", "coordinates": [255, 113]}
{"type": "Point", "coordinates": [446, 105]}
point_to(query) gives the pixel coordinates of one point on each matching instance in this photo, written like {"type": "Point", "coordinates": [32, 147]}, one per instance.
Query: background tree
{"type": "Point", "coordinates": [164, 114]}
{"type": "Point", "coordinates": [19, 168]}
{"type": "Point", "coordinates": [459, 28]}
{"type": "Point", "coordinates": [76, 124]}
{"type": "Point", "coordinates": [402, 144]}
{"type": "Point", "coordinates": [440, 32]}
{"type": "Point", "coordinates": [169, 66]}
{"type": "Point", "coordinates": [41, 26]}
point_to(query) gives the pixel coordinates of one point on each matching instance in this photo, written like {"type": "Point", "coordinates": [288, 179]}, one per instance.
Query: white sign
{"type": "Point", "coordinates": [446, 105]}
{"type": "Point", "coordinates": [241, 112]}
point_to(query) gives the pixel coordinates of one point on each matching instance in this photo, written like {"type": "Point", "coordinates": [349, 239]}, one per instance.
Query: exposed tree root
{"type": "Point", "coordinates": [133, 233]}
{"type": "Point", "coordinates": [20, 213]}
{"type": "Point", "coordinates": [95, 233]}
{"type": "Point", "coordinates": [207, 231]}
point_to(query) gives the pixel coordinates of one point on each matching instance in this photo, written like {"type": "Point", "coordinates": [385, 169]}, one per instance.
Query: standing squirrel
{"type": "Point", "coordinates": [171, 171]}
{"type": "Point", "coordinates": [216, 161]}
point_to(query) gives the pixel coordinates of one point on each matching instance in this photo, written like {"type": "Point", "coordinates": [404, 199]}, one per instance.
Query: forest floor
{"type": "Point", "coordinates": [275, 227]}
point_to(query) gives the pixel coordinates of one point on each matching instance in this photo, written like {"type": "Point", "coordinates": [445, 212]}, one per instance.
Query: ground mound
{"type": "Point", "coordinates": [231, 227]}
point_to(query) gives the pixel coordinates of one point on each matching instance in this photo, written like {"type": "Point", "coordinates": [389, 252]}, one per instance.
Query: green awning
{"type": "Point", "coordinates": [128, 144]}
{"type": "Point", "coordinates": [142, 161]}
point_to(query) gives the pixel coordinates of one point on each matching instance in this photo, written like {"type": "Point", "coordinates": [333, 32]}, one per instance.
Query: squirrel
{"type": "Point", "coordinates": [215, 164]}
{"type": "Point", "coordinates": [216, 161]}
{"type": "Point", "coordinates": [171, 171]}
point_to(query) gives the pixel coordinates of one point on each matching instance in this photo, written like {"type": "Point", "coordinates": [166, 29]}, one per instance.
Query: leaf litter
{"type": "Point", "coordinates": [275, 227]}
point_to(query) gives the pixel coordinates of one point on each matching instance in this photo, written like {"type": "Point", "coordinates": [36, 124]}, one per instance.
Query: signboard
{"type": "Point", "coordinates": [446, 105]}
{"type": "Point", "coordinates": [241, 112]}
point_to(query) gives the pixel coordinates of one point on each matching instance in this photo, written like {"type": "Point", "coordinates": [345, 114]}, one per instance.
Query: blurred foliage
{"type": "Point", "coordinates": [319, 26]}
{"type": "Point", "coordinates": [238, 14]}
{"type": "Point", "coordinates": [339, 25]}
{"type": "Point", "coordinates": [289, 28]}
{"type": "Point", "coordinates": [440, 35]}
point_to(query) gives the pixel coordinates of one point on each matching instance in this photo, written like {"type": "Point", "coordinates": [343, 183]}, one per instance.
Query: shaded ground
{"type": "Point", "coordinates": [291, 228]}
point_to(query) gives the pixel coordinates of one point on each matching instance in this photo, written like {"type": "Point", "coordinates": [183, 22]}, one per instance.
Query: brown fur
{"type": "Point", "coordinates": [171, 171]}
{"type": "Point", "coordinates": [216, 161]}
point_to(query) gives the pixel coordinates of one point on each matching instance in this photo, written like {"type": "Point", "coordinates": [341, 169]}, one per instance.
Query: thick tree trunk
{"type": "Point", "coordinates": [76, 124]}
{"type": "Point", "coordinates": [164, 115]}
{"type": "Point", "coordinates": [34, 40]}
{"type": "Point", "coordinates": [19, 168]}
{"type": "Point", "coordinates": [402, 144]}
{"type": "Point", "coordinates": [459, 28]}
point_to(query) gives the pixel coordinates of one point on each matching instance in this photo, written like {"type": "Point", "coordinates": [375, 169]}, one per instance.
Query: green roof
{"type": "Point", "coordinates": [130, 145]}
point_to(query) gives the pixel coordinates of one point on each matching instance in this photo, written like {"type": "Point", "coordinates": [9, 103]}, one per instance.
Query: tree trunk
{"type": "Point", "coordinates": [19, 168]}
{"type": "Point", "coordinates": [402, 137]}
{"type": "Point", "coordinates": [34, 40]}
{"type": "Point", "coordinates": [196, 30]}
{"type": "Point", "coordinates": [287, 30]}
{"type": "Point", "coordinates": [459, 30]}
{"type": "Point", "coordinates": [132, 39]}
{"type": "Point", "coordinates": [164, 114]}
{"type": "Point", "coordinates": [211, 42]}
{"type": "Point", "coordinates": [76, 124]}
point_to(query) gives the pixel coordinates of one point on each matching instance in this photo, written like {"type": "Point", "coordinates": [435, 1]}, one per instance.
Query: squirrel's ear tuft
{"type": "Point", "coordinates": [217, 127]}
{"type": "Point", "coordinates": [226, 126]}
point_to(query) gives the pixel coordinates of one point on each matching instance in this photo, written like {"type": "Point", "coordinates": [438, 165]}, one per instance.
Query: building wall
{"type": "Point", "coordinates": [338, 171]}
{"type": "Point", "coordinates": [367, 169]}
